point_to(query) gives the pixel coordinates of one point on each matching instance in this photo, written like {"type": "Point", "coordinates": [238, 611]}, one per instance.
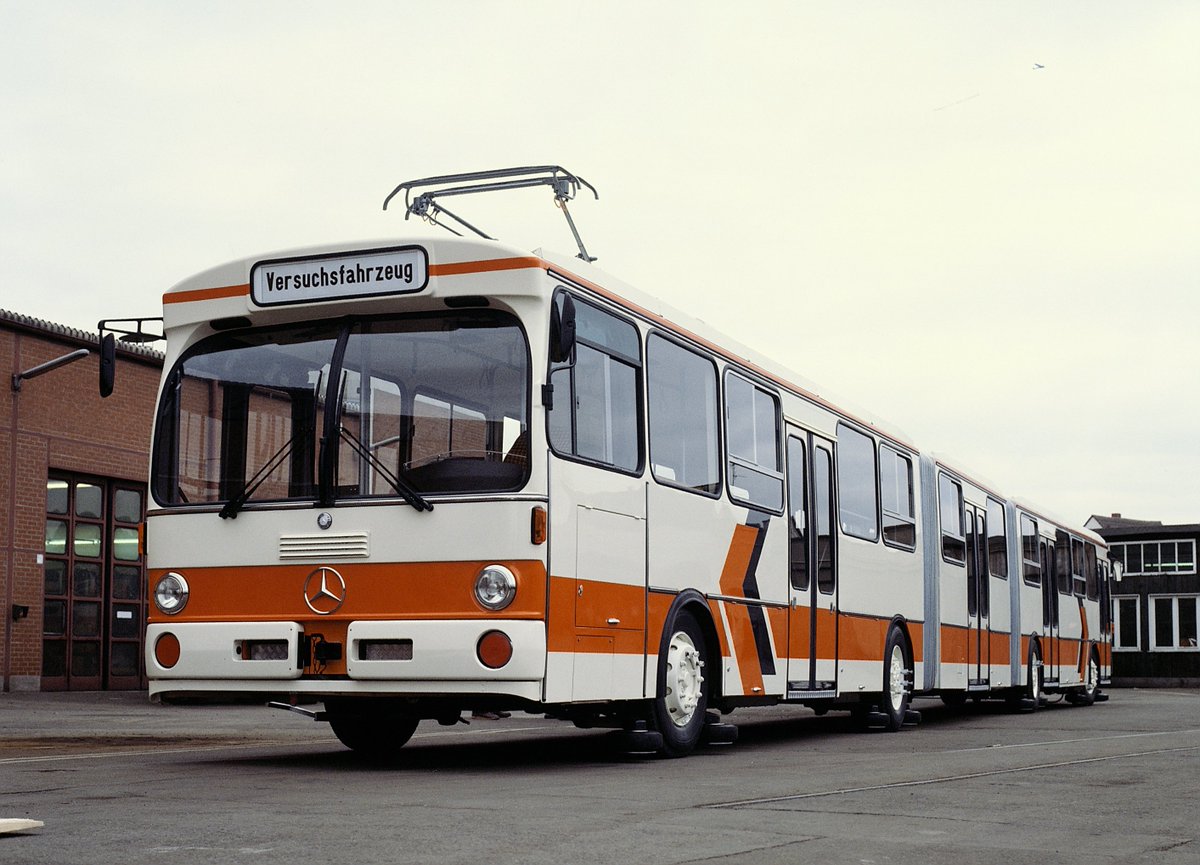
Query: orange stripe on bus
{"type": "Point", "coordinates": [453, 269]}
{"type": "Point", "coordinates": [488, 266]}
{"type": "Point", "coordinates": [954, 644]}
{"type": "Point", "coordinates": [384, 590]}
{"type": "Point", "coordinates": [206, 294]}
{"type": "Point", "coordinates": [742, 633]}
{"type": "Point", "coordinates": [741, 630]}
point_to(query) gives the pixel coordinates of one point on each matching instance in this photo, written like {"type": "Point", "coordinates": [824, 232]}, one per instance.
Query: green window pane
{"type": "Point", "coordinates": [88, 541]}
{"type": "Point", "coordinates": [56, 537]}
{"type": "Point", "coordinates": [125, 544]}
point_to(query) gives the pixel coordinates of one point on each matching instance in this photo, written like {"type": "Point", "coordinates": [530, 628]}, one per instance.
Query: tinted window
{"type": "Point", "coordinates": [752, 441]}
{"type": "Point", "coordinates": [997, 540]}
{"type": "Point", "coordinates": [896, 496]}
{"type": "Point", "coordinates": [1031, 562]}
{"type": "Point", "coordinates": [954, 545]}
{"type": "Point", "coordinates": [594, 414]}
{"type": "Point", "coordinates": [797, 513]}
{"type": "Point", "coordinates": [857, 493]}
{"type": "Point", "coordinates": [682, 395]}
{"type": "Point", "coordinates": [823, 504]}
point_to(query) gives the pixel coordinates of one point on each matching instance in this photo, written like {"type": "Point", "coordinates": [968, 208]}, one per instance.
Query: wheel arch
{"type": "Point", "coordinates": [899, 622]}
{"type": "Point", "coordinates": [695, 603]}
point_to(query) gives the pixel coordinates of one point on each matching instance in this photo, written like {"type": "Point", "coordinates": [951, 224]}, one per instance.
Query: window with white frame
{"type": "Point", "coordinates": [1150, 558]}
{"type": "Point", "coordinates": [1173, 623]}
{"type": "Point", "coordinates": [1126, 635]}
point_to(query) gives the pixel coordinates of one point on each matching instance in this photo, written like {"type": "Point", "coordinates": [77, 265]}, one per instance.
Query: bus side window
{"type": "Point", "coordinates": [823, 505]}
{"type": "Point", "coordinates": [1031, 564]}
{"type": "Point", "coordinates": [857, 478]}
{"type": "Point", "coordinates": [954, 543]}
{"type": "Point", "coordinates": [997, 539]}
{"type": "Point", "coordinates": [752, 444]}
{"type": "Point", "coordinates": [1090, 570]}
{"type": "Point", "coordinates": [798, 513]}
{"type": "Point", "coordinates": [896, 495]}
{"type": "Point", "coordinates": [594, 415]}
{"type": "Point", "coordinates": [1062, 561]}
{"type": "Point", "coordinates": [682, 401]}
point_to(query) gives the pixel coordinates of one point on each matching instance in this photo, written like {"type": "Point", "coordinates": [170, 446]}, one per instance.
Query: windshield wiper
{"type": "Point", "coordinates": [235, 504]}
{"type": "Point", "coordinates": [404, 489]}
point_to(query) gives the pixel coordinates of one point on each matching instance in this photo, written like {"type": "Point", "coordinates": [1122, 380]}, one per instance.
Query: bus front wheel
{"type": "Point", "coordinates": [683, 689]}
{"type": "Point", "coordinates": [370, 731]}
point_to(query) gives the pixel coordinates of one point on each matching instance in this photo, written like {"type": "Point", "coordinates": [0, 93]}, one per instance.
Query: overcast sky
{"type": "Point", "coordinates": [978, 221]}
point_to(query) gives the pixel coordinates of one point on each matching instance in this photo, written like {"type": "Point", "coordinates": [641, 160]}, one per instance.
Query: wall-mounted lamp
{"type": "Point", "coordinates": [34, 372]}
{"type": "Point", "coordinates": [19, 611]}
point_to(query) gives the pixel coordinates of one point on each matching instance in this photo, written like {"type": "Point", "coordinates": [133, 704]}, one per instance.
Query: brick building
{"type": "Point", "coordinates": [72, 495]}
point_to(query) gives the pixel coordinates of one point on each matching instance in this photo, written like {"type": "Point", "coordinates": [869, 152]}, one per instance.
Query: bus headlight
{"type": "Point", "coordinates": [171, 593]}
{"type": "Point", "coordinates": [495, 587]}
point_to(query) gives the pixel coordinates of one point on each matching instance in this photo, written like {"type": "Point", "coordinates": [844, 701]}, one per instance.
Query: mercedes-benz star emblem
{"type": "Point", "coordinates": [324, 520]}
{"type": "Point", "coordinates": [324, 591]}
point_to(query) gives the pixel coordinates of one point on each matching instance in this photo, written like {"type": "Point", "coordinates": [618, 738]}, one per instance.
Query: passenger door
{"type": "Point", "coordinates": [978, 599]}
{"type": "Point", "coordinates": [812, 562]}
{"type": "Point", "coordinates": [1050, 647]}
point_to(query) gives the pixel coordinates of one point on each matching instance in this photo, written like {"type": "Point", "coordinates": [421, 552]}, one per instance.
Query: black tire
{"type": "Point", "coordinates": [682, 696]}
{"type": "Point", "coordinates": [1033, 688]}
{"type": "Point", "coordinates": [368, 729]}
{"type": "Point", "coordinates": [1091, 680]}
{"type": "Point", "coordinates": [897, 685]}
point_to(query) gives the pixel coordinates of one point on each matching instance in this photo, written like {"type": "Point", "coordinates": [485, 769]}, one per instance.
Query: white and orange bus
{"type": "Point", "coordinates": [418, 478]}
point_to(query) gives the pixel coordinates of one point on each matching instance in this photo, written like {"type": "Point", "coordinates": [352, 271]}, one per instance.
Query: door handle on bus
{"type": "Point", "coordinates": [614, 621]}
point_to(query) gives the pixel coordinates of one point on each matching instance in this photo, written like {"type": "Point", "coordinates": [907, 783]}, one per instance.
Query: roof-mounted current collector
{"type": "Point", "coordinates": [425, 205]}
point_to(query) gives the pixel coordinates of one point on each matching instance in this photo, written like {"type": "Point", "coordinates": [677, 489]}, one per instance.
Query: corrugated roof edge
{"type": "Point", "coordinates": [73, 335]}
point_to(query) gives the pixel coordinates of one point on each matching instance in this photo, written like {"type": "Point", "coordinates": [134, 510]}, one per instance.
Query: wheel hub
{"type": "Point", "coordinates": [684, 680]}
{"type": "Point", "coordinates": [897, 683]}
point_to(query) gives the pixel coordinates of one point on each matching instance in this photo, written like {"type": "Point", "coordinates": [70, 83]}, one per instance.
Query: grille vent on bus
{"type": "Point", "coordinates": [348, 545]}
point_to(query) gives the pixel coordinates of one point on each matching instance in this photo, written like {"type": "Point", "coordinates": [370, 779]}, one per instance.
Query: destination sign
{"type": "Point", "coordinates": [400, 270]}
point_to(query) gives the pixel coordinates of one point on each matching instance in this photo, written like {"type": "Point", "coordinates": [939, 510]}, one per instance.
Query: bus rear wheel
{"type": "Point", "coordinates": [897, 690]}
{"type": "Point", "coordinates": [682, 696]}
{"type": "Point", "coordinates": [368, 729]}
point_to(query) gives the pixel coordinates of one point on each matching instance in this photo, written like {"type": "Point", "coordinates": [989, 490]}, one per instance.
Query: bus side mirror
{"type": "Point", "coordinates": [562, 330]}
{"type": "Point", "coordinates": [108, 364]}
{"type": "Point", "coordinates": [1118, 571]}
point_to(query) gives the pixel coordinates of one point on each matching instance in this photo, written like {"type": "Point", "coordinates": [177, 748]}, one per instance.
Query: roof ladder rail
{"type": "Point", "coordinates": [425, 205]}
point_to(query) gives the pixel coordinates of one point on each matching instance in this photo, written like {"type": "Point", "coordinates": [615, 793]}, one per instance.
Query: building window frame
{"type": "Point", "coordinates": [1136, 566]}
{"type": "Point", "coordinates": [1181, 631]}
{"type": "Point", "coordinates": [1120, 619]}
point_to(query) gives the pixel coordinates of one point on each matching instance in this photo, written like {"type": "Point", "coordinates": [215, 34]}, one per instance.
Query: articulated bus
{"type": "Point", "coordinates": [413, 479]}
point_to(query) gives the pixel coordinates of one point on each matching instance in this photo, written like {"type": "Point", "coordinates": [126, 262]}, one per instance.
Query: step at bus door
{"type": "Point", "coordinates": [978, 636]}
{"type": "Point", "coordinates": [812, 560]}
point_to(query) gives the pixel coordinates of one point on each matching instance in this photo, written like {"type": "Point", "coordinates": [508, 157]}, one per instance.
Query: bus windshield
{"type": "Point", "coordinates": [360, 408]}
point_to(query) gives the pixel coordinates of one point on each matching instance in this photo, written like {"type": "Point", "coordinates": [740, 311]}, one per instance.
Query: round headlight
{"type": "Point", "coordinates": [171, 593]}
{"type": "Point", "coordinates": [495, 587]}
